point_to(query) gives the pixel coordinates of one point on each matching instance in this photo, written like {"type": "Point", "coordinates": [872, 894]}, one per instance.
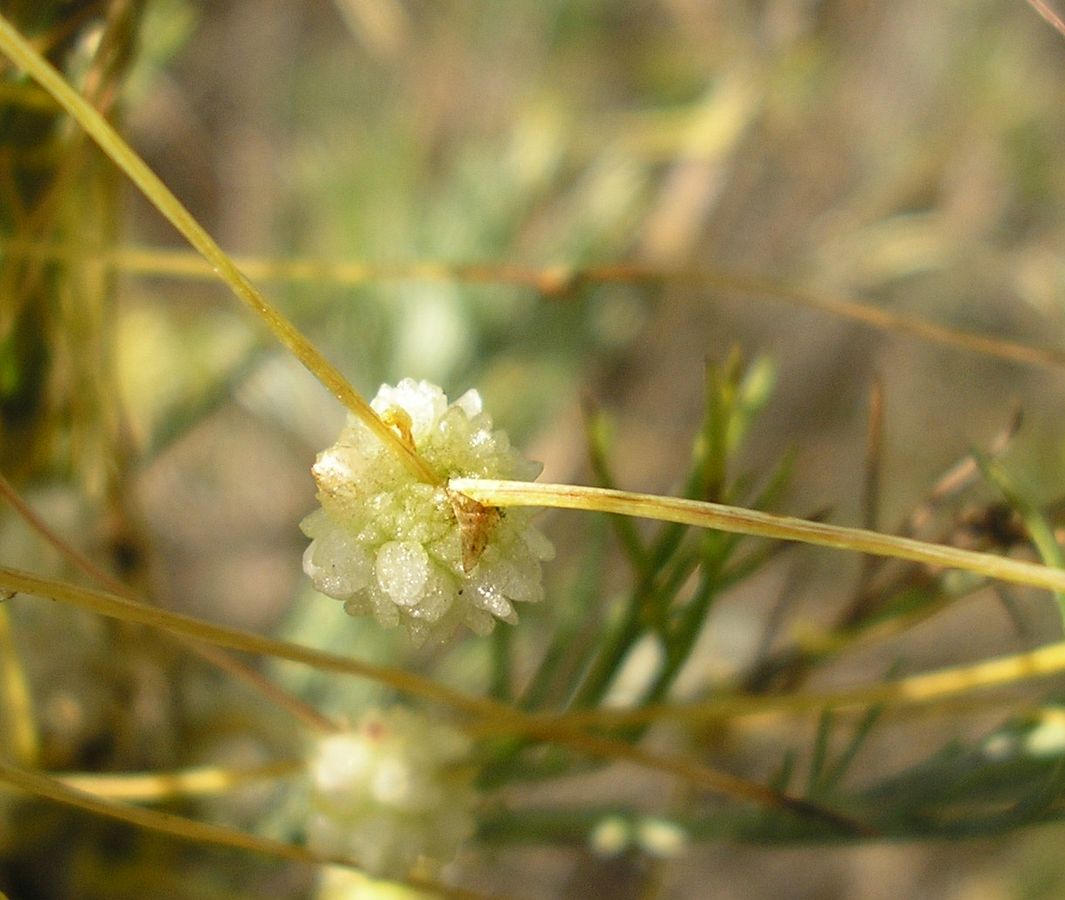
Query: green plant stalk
{"type": "Point", "coordinates": [649, 603]}
{"type": "Point", "coordinates": [628, 629]}
{"type": "Point", "coordinates": [819, 756]}
{"type": "Point", "coordinates": [632, 624]}
{"type": "Point", "coordinates": [831, 778]}
{"type": "Point", "coordinates": [753, 522]}
{"type": "Point", "coordinates": [684, 563]}
{"type": "Point", "coordinates": [675, 652]}
{"type": "Point", "coordinates": [16, 703]}
{"type": "Point", "coordinates": [109, 140]}
{"type": "Point", "coordinates": [596, 438]}
{"type": "Point", "coordinates": [565, 647]}
{"type": "Point", "coordinates": [681, 639]}
{"type": "Point", "coordinates": [611, 651]}
{"type": "Point", "coordinates": [502, 652]}
{"type": "Point", "coordinates": [610, 654]}
{"type": "Point", "coordinates": [713, 448]}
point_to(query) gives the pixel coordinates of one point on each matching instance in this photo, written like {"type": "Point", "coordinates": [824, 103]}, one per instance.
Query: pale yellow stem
{"type": "Point", "coordinates": [188, 829]}
{"type": "Point", "coordinates": [155, 787]}
{"type": "Point", "coordinates": [488, 711]}
{"type": "Point", "coordinates": [927, 687]}
{"type": "Point", "coordinates": [748, 521]}
{"type": "Point", "coordinates": [109, 140]}
{"type": "Point", "coordinates": [167, 823]}
{"type": "Point", "coordinates": [16, 702]}
{"type": "Point", "coordinates": [549, 280]}
{"type": "Point", "coordinates": [114, 606]}
{"type": "Point", "coordinates": [214, 655]}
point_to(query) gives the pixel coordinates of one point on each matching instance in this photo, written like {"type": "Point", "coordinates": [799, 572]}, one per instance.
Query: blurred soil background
{"type": "Point", "coordinates": [906, 153]}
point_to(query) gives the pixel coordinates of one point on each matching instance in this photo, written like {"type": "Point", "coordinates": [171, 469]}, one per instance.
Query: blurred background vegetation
{"type": "Point", "coordinates": [906, 154]}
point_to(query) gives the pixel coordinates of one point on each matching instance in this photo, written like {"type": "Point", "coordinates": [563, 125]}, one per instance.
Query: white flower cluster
{"type": "Point", "coordinates": [413, 553]}
{"type": "Point", "coordinates": [395, 789]}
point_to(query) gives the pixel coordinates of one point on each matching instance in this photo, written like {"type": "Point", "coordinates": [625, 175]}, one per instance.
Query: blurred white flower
{"type": "Point", "coordinates": [395, 789]}
{"type": "Point", "coordinates": [412, 553]}
{"type": "Point", "coordinates": [340, 883]}
{"type": "Point", "coordinates": [661, 838]}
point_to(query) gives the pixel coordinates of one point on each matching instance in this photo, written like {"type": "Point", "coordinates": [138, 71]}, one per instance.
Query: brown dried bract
{"type": "Point", "coordinates": [476, 522]}
{"type": "Point", "coordinates": [398, 419]}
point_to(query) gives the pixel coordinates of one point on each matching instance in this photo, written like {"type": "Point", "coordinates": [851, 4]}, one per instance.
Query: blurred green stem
{"type": "Point", "coordinates": [19, 726]}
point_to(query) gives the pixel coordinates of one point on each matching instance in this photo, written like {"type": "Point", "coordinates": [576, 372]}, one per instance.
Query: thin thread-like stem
{"type": "Point", "coordinates": [21, 736]}
{"type": "Point", "coordinates": [119, 607]}
{"type": "Point", "coordinates": [167, 823]}
{"type": "Point", "coordinates": [1049, 15]}
{"type": "Point", "coordinates": [217, 657]}
{"type": "Point", "coordinates": [485, 710]}
{"type": "Point", "coordinates": [109, 140]}
{"type": "Point", "coordinates": [754, 522]}
{"type": "Point", "coordinates": [155, 787]}
{"type": "Point", "coordinates": [552, 281]}
{"type": "Point", "coordinates": [189, 829]}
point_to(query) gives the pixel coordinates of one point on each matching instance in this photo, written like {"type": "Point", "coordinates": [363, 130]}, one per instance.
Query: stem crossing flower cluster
{"type": "Point", "coordinates": [413, 553]}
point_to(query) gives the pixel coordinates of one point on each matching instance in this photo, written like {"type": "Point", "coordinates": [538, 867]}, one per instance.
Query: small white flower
{"type": "Point", "coordinates": [392, 790]}
{"type": "Point", "coordinates": [412, 553]}
{"type": "Point", "coordinates": [611, 837]}
{"type": "Point", "coordinates": [661, 838]}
